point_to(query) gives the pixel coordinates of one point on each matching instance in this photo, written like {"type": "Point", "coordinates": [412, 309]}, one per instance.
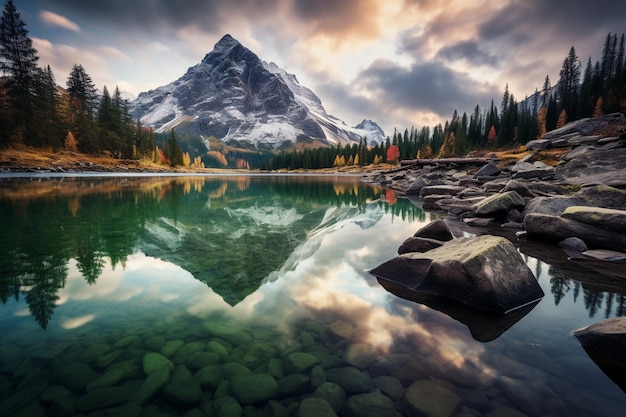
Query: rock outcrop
{"type": "Point", "coordinates": [532, 195]}
{"type": "Point", "coordinates": [605, 343]}
{"type": "Point", "coordinates": [485, 272]}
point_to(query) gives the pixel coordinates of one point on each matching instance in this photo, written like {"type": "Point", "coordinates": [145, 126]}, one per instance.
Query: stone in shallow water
{"type": "Point", "coordinates": [233, 369]}
{"type": "Point", "coordinates": [426, 398]}
{"type": "Point", "coordinates": [217, 347]}
{"type": "Point", "coordinates": [437, 230]}
{"type": "Point", "coordinates": [227, 407]}
{"type": "Point", "coordinates": [74, 376]}
{"type": "Point", "coordinates": [350, 379]}
{"type": "Point", "coordinates": [390, 386]}
{"type": "Point", "coordinates": [232, 335]}
{"type": "Point", "coordinates": [275, 368]}
{"type": "Point", "coordinates": [333, 394]}
{"type": "Point", "coordinates": [605, 255]}
{"type": "Point", "coordinates": [372, 404]}
{"type": "Point", "coordinates": [171, 347]}
{"type": "Point", "coordinates": [185, 351]}
{"type": "Point", "coordinates": [182, 389]}
{"type": "Point", "coordinates": [254, 388]}
{"type": "Point", "coordinates": [294, 384]}
{"type": "Point", "coordinates": [485, 272]}
{"type": "Point", "coordinates": [299, 362]}
{"type": "Point", "coordinates": [201, 360]}
{"type": "Point", "coordinates": [103, 398]}
{"type": "Point", "coordinates": [341, 329]}
{"type": "Point", "coordinates": [315, 407]}
{"type": "Point", "coordinates": [209, 377]}
{"type": "Point", "coordinates": [109, 379]}
{"type": "Point", "coordinates": [359, 355]}
{"type": "Point", "coordinates": [153, 362]}
{"type": "Point", "coordinates": [152, 385]}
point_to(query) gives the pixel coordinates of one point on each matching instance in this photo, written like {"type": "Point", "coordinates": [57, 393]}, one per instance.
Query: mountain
{"type": "Point", "coordinates": [240, 99]}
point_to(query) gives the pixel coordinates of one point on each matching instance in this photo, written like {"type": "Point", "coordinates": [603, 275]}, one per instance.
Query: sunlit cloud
{"type": "Point", "coordinates": [53, 19]}
{"type": "Point", "coordinates": [76, 322]}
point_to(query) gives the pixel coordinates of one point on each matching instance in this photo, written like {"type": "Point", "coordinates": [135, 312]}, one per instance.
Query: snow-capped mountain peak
{"type": "Point", "coordinates": [235, 96]}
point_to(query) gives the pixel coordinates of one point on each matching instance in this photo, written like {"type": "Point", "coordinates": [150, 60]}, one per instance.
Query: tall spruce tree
{"type": "Point", "coordinates": [569, 84]}
{"type": "Point", "coordinates": [83, 95]}
{"type": "Point", "coordinates": [18, 60]}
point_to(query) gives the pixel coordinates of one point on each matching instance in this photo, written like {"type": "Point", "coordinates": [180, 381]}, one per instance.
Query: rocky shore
{"type": "Point", "coordinates": [579, 203]}
{"type": "Point", "coordinates": [570, 213]}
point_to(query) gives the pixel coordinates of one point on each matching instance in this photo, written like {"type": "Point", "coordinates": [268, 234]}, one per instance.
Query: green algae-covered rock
{"type": "Point", "coordinates": [227, 407]}
{"type": "Point", "coordinates": [152, 385]}
{"type": "Point", "coordinates": [498, 202]}
{"type": "Point", "coordinates": [315, 407]}
{"type": "Point", "coordinates": [200, 360]}
{"type": "Point", "coordinates": [153, 362]}
{"type": "Point", "coordinates": [74, 376]}
{"type": "Point", "coordinates": [232, 335]}
{"type": "Point", "coordinates": [254, 388]}
{"type": "Point", "coordinates": [103, 398]}
{"type": "Point", "coordinates": [183, 389]}
{"type": "Point", "coordinates": [171, 347]}
{"type": "Point", "coordinates": [426, 398]}
{"type": "Point", "coordinates": [209, 377]}
{"type": "Point", "coordinates": [372, 404]}
{"type": "Point", "coordinates": [333, 394]}
{"type": "Point", "coordinates": [233, 369]}
{"type": "Point", "coordinates": [109, 379]}
{"type": "Point", "coordinates": [350, 379]}
{"type": "Point", "coordinates": [299, 362]}
{"type": "Point", "coordinates": [294, 384]}
{"type": "Point", "coordinates": [610, 219]}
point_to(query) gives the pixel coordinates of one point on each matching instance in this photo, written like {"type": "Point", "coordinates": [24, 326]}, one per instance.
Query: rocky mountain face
{"type": "Point", "coordinates": [235, 96]}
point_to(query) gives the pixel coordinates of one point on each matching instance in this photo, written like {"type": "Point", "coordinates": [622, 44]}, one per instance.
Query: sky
{"type": "Point", "coordinates": [401, 63]}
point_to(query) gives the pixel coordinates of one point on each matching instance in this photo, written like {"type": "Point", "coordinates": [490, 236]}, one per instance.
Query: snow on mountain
{"type": "Point", "coordinates": [236, 97]}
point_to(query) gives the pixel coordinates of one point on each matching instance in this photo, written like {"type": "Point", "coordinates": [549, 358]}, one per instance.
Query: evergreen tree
{"type": "Point", "coordinates": [48, 125]}
{"type": "Point", "coordinates": [568, 83]}
{"type": "Point", "coordinates": [18, 60]}
{"type": "Point", "coordinates": [82, 97]}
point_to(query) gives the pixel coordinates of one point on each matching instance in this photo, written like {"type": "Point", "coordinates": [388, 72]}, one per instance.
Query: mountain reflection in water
{"type": "Point", "coordinates": [126, 266]}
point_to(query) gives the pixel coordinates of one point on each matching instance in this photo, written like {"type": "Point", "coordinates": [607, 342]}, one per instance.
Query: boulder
{"type": "Point", "coordinates": [488, 170]}
{"type": "Point", "coordinates": [333, 394]}
{"type": "Point", "coordinates": [437, 230]}
{"type": "Point", "coordinates": [498, 203]}
{"type": "Point", "coordinates": [315, 407]}
{"type": "Point", "coordinates": [373, 404]}
{"type": "Point", "coordinates": [293, 385]}
{"type": "Point", "coordinates": [538, 144]}
{"type": "Point", "coordinates": [427, 398]}
{"type": "Point", "coordinates": [441, 190]}
{"type": "Point", "coordinates": [299, 362]}
{"type": "Point", "coordinates": [485, 272]}
{"type": "Point", "coordinates": [600, 167]}
{"type": "Point", "coordinates": [558, 228]}
{"type": "Point", "coordinates": [605, 343]}
{"type": "Point", "coordinates": [350, 379]}
{"type": "Point", "coordinates": [610, 219]}
{"type": "Point", "coordinates": [418, 244]}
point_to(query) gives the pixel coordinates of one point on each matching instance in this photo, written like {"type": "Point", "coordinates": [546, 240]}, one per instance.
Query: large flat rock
{"type": "Point", "coordinates": [485, 272]}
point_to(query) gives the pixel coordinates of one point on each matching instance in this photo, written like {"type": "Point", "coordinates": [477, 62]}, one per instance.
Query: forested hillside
{"type": "Point", "coordinates": [36, 111]}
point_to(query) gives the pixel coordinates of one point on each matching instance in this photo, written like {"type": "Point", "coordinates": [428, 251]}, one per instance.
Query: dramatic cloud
{"type": "Point", "coordinates": [398, 62]}
{"type": "Point", "coordinates": [53, 19]}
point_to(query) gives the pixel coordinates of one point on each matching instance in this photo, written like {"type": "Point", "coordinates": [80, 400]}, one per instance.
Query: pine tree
{"type": "Point", "coordinates": [18, 60]}
{"type": "Point", "coordinates": [568, 83]}
{"type": "Point", "coordinates": [82, 97]}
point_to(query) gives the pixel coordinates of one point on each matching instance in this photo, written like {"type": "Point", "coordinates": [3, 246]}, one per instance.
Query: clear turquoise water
{"type": "Point", "coordinates": [98, 273]}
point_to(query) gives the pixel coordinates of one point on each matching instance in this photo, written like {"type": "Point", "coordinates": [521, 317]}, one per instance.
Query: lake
{"type": "Point", "coordinates": [250, 296]}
